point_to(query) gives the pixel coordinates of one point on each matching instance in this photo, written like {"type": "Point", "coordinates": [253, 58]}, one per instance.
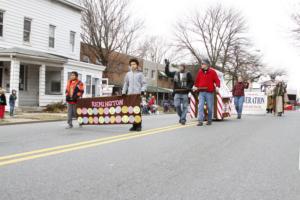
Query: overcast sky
{"type": "Point", "coordinates": [269, 24]}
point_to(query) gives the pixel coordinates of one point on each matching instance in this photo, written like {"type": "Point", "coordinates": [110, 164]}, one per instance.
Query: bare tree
{"type": "Point", "coordinates": [242, 62]}
{"type": "Point", "coordinates": [277, 72]}
{"type": "Point", "coordinates": [109, 27]}
{"type": "Point", "coordinates": [217, 30]}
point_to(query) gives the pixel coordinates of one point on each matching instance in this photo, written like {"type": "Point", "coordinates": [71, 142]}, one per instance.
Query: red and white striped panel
{"type": "Point", "coordinates": [219, 107]}
{"type": "Point", "coordinates": [192, 106]}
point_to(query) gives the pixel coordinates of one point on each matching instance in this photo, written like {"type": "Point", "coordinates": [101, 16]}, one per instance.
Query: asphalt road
{"type": "Point", "coordinates": [256, 158]}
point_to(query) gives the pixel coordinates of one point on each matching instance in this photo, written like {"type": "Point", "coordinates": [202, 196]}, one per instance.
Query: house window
{"type": "Point", "coordinates": [86, 59]}
{"type": "Point", "coordinates": [88, 84]}
{"type": "Point", "coordinates": [27, 30]}
{"type": "Point", "coordinates": [53, 81]}
{"type": "Point", "coordinates": [72, 40]}
{"type": "Point", "coordinates": [23, 78]}
{"type": "Point", "coordinates": [52, 36]}
{"type": "Point", "coordinates": [153, 74]}
{"type": "Point", "coordinates": [1, 22]}
{"type": "Point", "coordinates": [146, 72]}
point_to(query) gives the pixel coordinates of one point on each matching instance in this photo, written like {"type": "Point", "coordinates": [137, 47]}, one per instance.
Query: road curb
{"type": "Point", "coordinates": [32, 122]}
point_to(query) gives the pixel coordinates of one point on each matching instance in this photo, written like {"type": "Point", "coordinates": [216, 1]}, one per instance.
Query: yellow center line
{"type": "Point", "coordinates": [15, 158]}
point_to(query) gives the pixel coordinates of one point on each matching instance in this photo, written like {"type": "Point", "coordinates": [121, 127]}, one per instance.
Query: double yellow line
{"type": "Point", "coordinates": [20, 157]}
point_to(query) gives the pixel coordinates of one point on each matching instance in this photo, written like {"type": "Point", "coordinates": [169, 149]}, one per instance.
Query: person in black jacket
{"type": "Point", "coordinates": [12, 102]}
{"type": "Point", "coordinates": [2, 103]}
{"type": "Point", "coordinates": [183, 84]}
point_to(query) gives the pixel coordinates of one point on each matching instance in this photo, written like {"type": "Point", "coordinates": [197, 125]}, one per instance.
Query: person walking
{"type": "Point", "coordinates": [206, 83]}
{"type": "Point", "coordinates": [183, 84]}
{"type": "Point", "coordinates": [134, 83]}
{"type": "Point", "coordinates": [74, 91]}
{"type": "Point", "coordinates": [12, 102]}
{"type": "Point", "coordinates": [238, 93]}
{"type": "Point", "coordinates": [279, 92]}
{"type": "Point", "coordinates": [2, 103]}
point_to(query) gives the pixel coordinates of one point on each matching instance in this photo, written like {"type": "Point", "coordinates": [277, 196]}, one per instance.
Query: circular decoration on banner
{"type": "Point", "coordinates": [112, 119]}
{"type": "Point", "coordinates": [137, 119]}
{"type": "Point", "coordinates": [100, 111]}
{"type": "Point", "coordinates": [118, 109]}
{"type": "Point", "coordinates": [84, 111]}
{"type": "Point", "coordinates": [106, 111]}
{"type": "Point", "coordinates": [106, 119]}
{"type": "Point", "coordinates": [80, 120]}
{"type": "Point", "coordinates": [118, 119]}
{"type": "Point", "coordinates": [79, 111]}
{"type": "Point", "coordinates": [91, 120]}
{"type": "Point", "coordinates": [125, 119]}
{"type": "Point", "coordinates": [95, 111]}
{"type": "Point", "coordinates": [90, 111]}
{"type": "Point", "coordinates": [96, 120]}
{"type": "Point", "coordinates": [124, 109]}
{"type": "Point", "coordinates": [101, 120]}
{"type": "Point", "coordinates": [130, 109]}
{"type": "Point", "coordinates": [85, 120]}
{"type": "Point", "coordinates": [136, 110]}
{"type": "Point", "coordinates": [131, 119]}
{"type": "Point", "coordinates": [112, 110]}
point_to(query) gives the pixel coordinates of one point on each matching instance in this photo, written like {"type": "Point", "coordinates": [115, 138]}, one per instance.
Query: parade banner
{"type": "Point", "coordinates": [109, 110]}
{"type": "Point", "coordinates": [255, 104]}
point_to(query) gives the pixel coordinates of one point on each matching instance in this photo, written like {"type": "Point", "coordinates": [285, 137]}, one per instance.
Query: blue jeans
{"type": "Point", "coordinates": [239, 102]}
{"type": "Point", "coordinates": [181, 103]}
{"type": "Point", "coordinates": [12, 108]}
{"type": "Point", "coordinates": [208, 98]}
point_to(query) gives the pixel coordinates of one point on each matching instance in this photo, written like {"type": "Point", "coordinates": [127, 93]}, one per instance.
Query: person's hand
{"type": "Point", "coordinates": [194, 89]}
{"type": "Point", "coordinates": [217, 90]}
{"type": "Point", "coordinates": [167, 62]}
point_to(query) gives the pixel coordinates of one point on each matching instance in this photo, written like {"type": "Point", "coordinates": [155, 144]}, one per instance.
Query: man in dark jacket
{"type": "Point", "coordinates": [207, 82]}
{"type": "Point", "coordinates": [238, 93]}
{"type": "Point", "coordinates": [183, 83]}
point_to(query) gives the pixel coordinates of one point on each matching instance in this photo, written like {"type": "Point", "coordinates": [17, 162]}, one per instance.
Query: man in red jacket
{"type": "Point", "coordinates": [207, 82]}
{"type": "Point", "coordinates": [74, 91]}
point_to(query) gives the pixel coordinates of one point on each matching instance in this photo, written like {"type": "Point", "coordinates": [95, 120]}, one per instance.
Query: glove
{"type": "Point", "coordinates": [194, 88]}
{"type": "Point", "coordinates": [143, 93]}
{"type": "Point", "coordinates": [217, 90]}
{"type": "Point", "coordinates": [167, 62]}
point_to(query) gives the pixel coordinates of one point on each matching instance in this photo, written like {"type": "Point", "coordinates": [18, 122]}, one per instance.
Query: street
{"type": "Point", "coordinates": [253, 158]}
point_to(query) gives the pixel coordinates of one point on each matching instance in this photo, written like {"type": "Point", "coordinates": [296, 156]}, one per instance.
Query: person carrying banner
{"type": "Point", "coordinates": [183, 84]}
{"type": "Point", "coordinates": [279, 100]}
{"type": "Point", "coordinates": [74, 91]}
{"type": "Point", "coordinates": [207, 83]}
{"type": "Point", "coordinates": [238, 93]}
{"type": "Point", "coordinates": [134, 83]}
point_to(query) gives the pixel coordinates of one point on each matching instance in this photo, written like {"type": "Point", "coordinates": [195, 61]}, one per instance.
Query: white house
{"type": "Point", "coordinates": [39, 47]}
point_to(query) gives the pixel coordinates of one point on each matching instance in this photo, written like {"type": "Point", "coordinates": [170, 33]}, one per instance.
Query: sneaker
{"type": "Point", "coordinates": [138, 129]}
{"type": "Point", "coordinates": [239, 117]}
{"type": "Point", "coordinates": [209, 123]}
{"type": "Point", "coordinates": [183, 122]}
{"type": "Point", "coordinates": [200, 124]}
{"type": "Point", "coordinates": [69, 127]}
{"type": "Point", "coordinates": [132, 128]}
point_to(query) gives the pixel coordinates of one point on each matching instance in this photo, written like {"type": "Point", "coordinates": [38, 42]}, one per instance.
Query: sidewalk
{"type": "Point", "coordinates": [24, 118]}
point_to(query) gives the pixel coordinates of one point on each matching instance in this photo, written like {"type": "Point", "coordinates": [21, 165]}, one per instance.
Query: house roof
{"type": "Point", "coordinates": [71, 4]}
{"type": "Point", "coordinates": [20, 52]}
